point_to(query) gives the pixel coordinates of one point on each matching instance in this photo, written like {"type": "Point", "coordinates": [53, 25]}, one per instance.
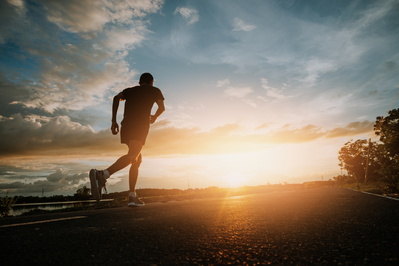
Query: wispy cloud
{"type": "Point", "coordinates": [240, 25]}
{"type": "Point", "coordinates": [92, 15]}
{"type": "Point", "coordinates": [270, 91]}
{"type": "Point", "coordinates": [264, 125]}
{"type": "Point", "coordinates": [189, 14]}
{"type": "Point", "coordinates": [20, 6]}
{"type": "Point", "coordinates": [237, 92]}
{"type": "Point", "coordinates": [222, 83]}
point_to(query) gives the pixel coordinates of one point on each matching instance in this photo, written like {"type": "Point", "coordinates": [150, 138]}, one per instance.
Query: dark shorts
{"type": "Point", "coordinates": [134, 131]}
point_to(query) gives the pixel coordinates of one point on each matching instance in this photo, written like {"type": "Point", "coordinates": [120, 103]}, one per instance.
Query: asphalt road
{"type": "Point", "coordinates": [321, 226]}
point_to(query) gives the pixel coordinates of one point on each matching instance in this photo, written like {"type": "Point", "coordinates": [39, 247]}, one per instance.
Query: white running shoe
{"type": "Point", "coordinates": [135, 202]}
{"type": "Point", "coordinates": [94, 185]}
{"type": "Point", "coordinates": [97, 182]}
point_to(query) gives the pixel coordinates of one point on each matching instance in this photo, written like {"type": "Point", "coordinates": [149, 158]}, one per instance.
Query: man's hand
{"type": "Point", "coordinates": [152, 119]}
{"type": "Point", "coordinates": [114, 128]}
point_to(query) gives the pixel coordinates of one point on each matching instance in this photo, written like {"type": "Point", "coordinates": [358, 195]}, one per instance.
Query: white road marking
{"type": "Point", "coordinates": [378, 195]}
{"type": "Point", "coordinates": [45, 221]}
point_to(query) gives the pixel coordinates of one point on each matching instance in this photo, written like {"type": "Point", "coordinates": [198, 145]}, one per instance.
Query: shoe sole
{"type": "Point", "coordinates": [94, 186]}
{"type": "Point", "coordinates": [134, 205]}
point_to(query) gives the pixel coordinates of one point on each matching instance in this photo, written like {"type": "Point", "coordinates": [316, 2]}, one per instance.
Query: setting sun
{"type": "Point", "coordinates": [235, 179]}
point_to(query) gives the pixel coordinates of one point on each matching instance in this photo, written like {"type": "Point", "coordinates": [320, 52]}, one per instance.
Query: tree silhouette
{"type": "Point", "coordinates": [353, 158]}
{"type": "Point", "coordinates": [83, 191]}
{"type": "Point", "coordinates": [388, 130]}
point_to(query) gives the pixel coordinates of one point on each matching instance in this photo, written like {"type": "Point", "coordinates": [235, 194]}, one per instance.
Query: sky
{"type": "Point", "coordinates": [256, 92]}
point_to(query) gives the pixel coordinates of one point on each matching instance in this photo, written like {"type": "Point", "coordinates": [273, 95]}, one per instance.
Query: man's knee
{"type": "Point", "coordinates": [136, 160]}
{"type": "Point", "coordinates": [135, 147]}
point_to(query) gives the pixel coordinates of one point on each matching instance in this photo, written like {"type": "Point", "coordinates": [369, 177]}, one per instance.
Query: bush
{"type": "Point", "coordinates": [6, 204]}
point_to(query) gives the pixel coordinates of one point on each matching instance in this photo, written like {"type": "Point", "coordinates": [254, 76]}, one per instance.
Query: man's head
{"type": "Point", "coordinates": [146, 78]}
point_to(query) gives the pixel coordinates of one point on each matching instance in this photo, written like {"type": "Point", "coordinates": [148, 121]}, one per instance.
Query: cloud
{"type": "Point", "coordinates": [352, 129]}
{"type": "Point", "coordinates": [240, 25]}
{"type": "Point", "coordinates": [75, 92]}
{"type": "Point", "coordinates": [249, 102]}
{"type": "Point", "coordinates": [224, 139]}
{"type": "Point", "coordinates": [121, 38]}
{"type": "Point", "coordinates": [222, 83]}
{"type": "Point", "coordinates": [270, 91]}
{"type": "Point", "coordinates": [237, 92]}
{"type": "Point", "coordinates": [21, 188]}
{"type": "Point", "coordinates": [76, 72]}
{"type": "Point", "coordinates": [189, 14]}
{"type": "Point", "coordinates": [11, 13]}
{"type": "Point", "coordinates": [51, 136]}
{"type": "Point", "coordinates": [56, 173]}
{"type": "Point", "coordinates": [31, 187]}
{"type": "Point", "coordinates": [93, 15]}
{"type": "Point", "coordinates": [20, 6]}
{"type": "Point", "coordinates": [59, 137]}
{"type": "Point", "coordinates": [26, 171]}
{"type": "Point", "coordinates": [264, 125]}
{"type": "Point", "coordinates": [263, 99]}
{"type": "Point", "coordinates": [63, 177]}
{"type": "Point", "coordinates": [77, 16]}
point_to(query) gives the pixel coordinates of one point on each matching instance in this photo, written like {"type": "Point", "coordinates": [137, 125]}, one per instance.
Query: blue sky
{"type": "Point", "coordinates": [255, 91]}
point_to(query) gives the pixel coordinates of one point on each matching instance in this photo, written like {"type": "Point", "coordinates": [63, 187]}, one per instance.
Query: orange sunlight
{"type": "Point", "coordinates": [236, 179]}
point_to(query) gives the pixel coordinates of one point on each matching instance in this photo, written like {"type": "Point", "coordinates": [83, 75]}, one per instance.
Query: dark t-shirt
{"type": "Point", "coordinates": [139, 102]}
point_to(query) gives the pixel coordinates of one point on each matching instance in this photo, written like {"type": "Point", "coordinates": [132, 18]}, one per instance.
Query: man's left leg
{"type": "Point", "coordinates": [134, 201]}
{"type": "Point", "coordinates": [134, 173]}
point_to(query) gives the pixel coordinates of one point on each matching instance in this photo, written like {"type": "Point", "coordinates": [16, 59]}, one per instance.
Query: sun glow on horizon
{"type": "Point", "coordinates": [236, 179]}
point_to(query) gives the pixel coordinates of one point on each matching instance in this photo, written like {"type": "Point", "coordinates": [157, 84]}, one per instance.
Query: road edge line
{"type": "Point", "coordinates": [44, 221]}
{"type": "Point", "coordinates": [378, 195]}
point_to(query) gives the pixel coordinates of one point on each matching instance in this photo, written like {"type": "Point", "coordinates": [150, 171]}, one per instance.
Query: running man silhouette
{"type": "Point", "coordinates": [134, 129]}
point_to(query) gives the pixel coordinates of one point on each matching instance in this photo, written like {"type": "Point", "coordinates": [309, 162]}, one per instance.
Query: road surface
{"type": "Point", "coordinates": [319, 226]}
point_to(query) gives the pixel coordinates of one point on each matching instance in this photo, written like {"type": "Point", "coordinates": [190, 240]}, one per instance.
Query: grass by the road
{"type": "Point", "coordinates": [123, 201]}
{"type": "Point", "coordinates": [375, 188]}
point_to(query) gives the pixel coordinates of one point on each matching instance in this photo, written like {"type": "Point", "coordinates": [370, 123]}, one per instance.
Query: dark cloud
{"type": "Point", "coordinates": [12, 170]}
{"type": "Point", "coordinates": [15, 177]}
{"type": "Point", "coordinates": [352, 129]}
{"type": "Point", "coordinates": [20, 188]}
{"type": "Point", "coordinates": [57, 176]}
{"type": "Point", "coordinates": [59, 136]}
{"type": "Point", "coordinates": [10, 15]}
{"type": "Point", "coordinates": [390, 65]}
{"type": "Point", "coordinates": [63, 177]}
{"type": "Point", "coordinates": [16, 173]}
{"type": "Point", "coordinates": [60, 181]}
{"type": "Point", "coordinates": [10, 92]}
{"type": "Point", "coordinates": [51, 136]}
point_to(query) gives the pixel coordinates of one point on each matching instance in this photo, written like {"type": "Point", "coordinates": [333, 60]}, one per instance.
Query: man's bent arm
{"type": "Point", "coordinates": [115, 106]}
{"type": "Point", "coordinates": [160, 110]}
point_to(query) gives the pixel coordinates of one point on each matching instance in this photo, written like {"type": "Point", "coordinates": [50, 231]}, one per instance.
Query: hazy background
{"type": "Point", "coordinates": [255, 91]}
